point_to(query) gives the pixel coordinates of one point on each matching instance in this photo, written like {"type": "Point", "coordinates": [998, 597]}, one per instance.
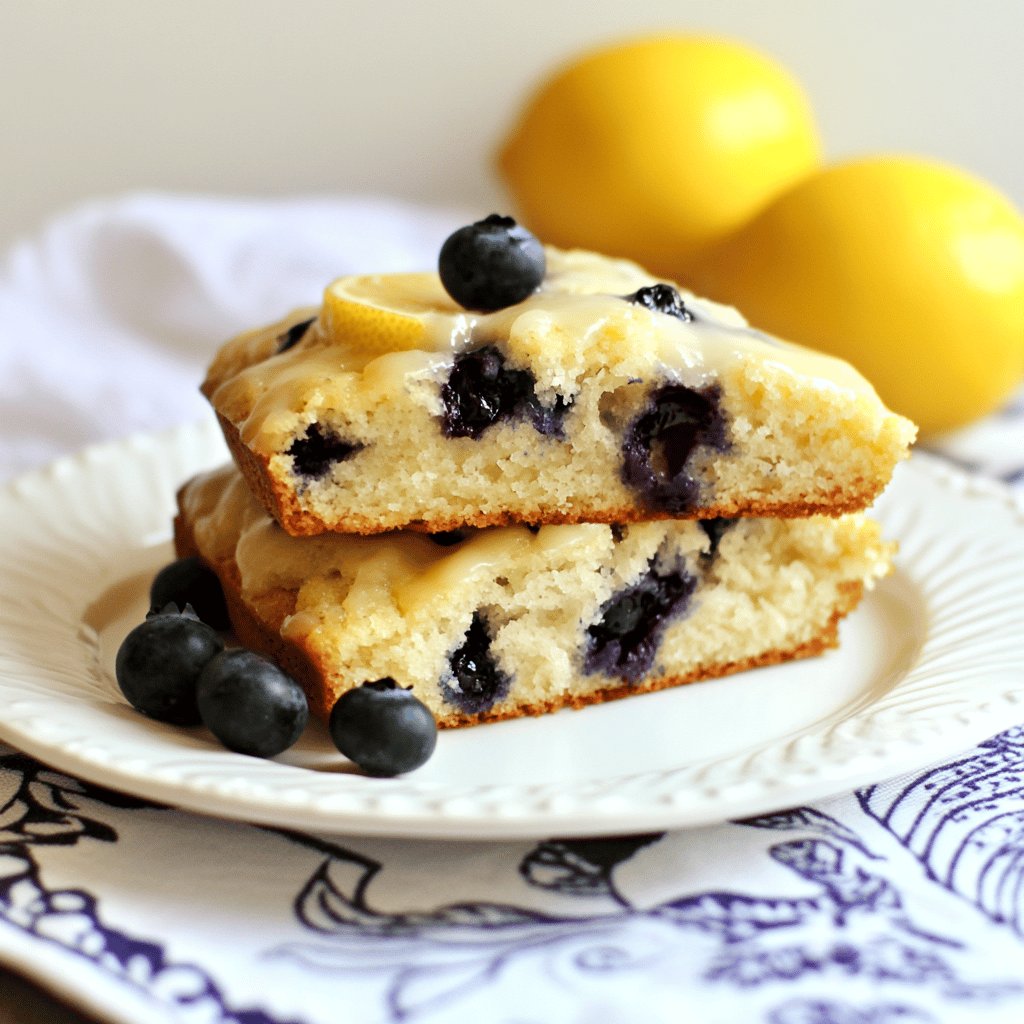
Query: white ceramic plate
{"type": "Point", "coordinates": [932, 662]}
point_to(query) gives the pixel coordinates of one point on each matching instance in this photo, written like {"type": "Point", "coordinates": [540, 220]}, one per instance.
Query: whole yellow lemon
{"type": "Point", "coordinates": [652, 148]}
{"type": "Point", "coordinates": [910, 270]}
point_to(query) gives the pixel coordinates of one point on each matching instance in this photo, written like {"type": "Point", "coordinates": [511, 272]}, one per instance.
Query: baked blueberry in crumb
{"type": "Point", "coordinates": [474, 682]}
{"type": "Point", "coordinates": [661, 298]}
{"type": "Point", "coordinates": [546, 420]}
{"type": "Point", "coordinates": [624, 640]}
{"type": "Point", "coordinates": [491, 264]}
{"type": "Point", "coordinates": [481, 390]}
{"type": "Point", "coordinates": [659, 442]}
{"type": "Point", "coordinates": [293, 335]}
{"type": "Point", "coordinates": [318, 450]}
{"type": "Point", "coordinates": [475, 394]}
{"type": "Point", "coordinates": [447, 538]}
{"type": "Point", "coordinates": [715, 529]}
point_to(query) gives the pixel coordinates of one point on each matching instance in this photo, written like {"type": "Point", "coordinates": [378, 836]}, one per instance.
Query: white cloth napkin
{"type": "Point", "coordinates": [900, 904]}
{"type": "Point", "coordinates": [109, 317]}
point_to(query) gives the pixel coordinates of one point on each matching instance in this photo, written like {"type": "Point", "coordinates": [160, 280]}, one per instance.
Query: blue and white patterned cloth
{"type": "Point", "coordinates": [902, 903]}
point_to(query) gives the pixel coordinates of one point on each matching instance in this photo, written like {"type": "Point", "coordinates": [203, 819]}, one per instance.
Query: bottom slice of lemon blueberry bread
{"type": "Point", "coordinates": [510, 621]}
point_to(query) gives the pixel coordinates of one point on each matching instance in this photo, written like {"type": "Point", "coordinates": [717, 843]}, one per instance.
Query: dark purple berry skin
{"type": "Point", "coordinates": [491, 264]}
{"type": "Point", "coordinates": [293, 335]}
{"type": "Point", "coordinates": [159, 663]}
{"type": "Point", "coordinates": [172, 609]}
{"type": "Point", "coordinates": [250, 705]}
{"type": "Point", "coordinates": [318, 450]}
{"type": "Point", "coordinates": [660, 441]}
{"type": "Point", "coordinates": [481, 390]}
{"type": "Point", "coordinates": [447, 538]}
{"type": "Point", "coordinates": [189, 582]}
{"type": "Point", "coordinates": [477, 393]}
{"type": "Point", "coordinates": [547, 420]}
{"type": "Point", "coordinates": [715, 530]}
{"type": "Point", "coordinates": [661, 298]}
{"type": "Point", "coordinates": [475, 682]}
{"type": "Point", "coordinates": [624, 640]}
{"type": "Point", "coordinates": [383, 728]}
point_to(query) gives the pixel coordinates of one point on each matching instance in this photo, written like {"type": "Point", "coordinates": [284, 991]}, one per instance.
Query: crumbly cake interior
{"type": "Point", "coordinates": [359, 437]}
{"type": "Point", "coordinates": [561, 615]}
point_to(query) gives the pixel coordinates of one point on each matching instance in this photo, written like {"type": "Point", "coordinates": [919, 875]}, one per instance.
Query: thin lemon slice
{"type": "Point", "coordinates": [387, 312]}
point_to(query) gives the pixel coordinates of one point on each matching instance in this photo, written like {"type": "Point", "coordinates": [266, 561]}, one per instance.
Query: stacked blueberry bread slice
{"type": "Point", "coordinates": [604, 396]}
{"type": "Point", "coordinates": [534, 479]}
{"type": "Point", "coordinates": [497, 623]}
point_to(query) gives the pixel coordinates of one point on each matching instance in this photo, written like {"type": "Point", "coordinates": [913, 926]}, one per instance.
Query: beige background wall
{"type": "Point", "coordinates": [408, 97]}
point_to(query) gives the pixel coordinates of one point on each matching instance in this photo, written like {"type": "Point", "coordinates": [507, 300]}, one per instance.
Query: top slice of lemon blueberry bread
{"type": "Point", "coordinates": [556, 387]}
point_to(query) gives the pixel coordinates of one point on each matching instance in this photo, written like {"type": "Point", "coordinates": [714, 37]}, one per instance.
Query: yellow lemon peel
{"type": "Point", "coordinates": [384, 312]}
{"type": "Point", "coordinates": [911, 270]}
{"type": "Point", "coordinates": [653, 148]}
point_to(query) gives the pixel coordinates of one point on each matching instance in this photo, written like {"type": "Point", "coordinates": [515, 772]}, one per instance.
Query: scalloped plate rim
{"type": "Point", "coordinates": [197, 446]}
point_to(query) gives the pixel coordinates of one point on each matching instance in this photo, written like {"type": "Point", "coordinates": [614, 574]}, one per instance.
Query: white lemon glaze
{"type": "Point", "coordinates": [405, 570]}
{"type": "Point", "coordinates": [576, 324]}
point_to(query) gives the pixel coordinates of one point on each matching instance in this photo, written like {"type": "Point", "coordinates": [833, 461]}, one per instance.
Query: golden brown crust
{"type": "Point", "coordinates": [280, 502]}
{"type": "Point", "coordinates": [827, 639]}
{"type": "Point", "coordinates": [259, 629]}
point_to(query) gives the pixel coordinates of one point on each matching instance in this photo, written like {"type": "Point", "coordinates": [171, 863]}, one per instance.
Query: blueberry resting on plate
{"type": "Point", "coordinates": [159, 663]}
{"type": "Point", "coordinates": [189, 582]}
{"type": "Point", "coordinates": [383, 728]}
{"type": "Point", "coordinates": [250, 705]}
{"type": "Point", "coordinates": [491, 264]}
{"type": "Point", "coordinates": [172, 609]}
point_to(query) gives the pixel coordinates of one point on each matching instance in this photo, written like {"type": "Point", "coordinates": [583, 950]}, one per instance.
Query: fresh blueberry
{"type": "Point", "coordinates": [624, 640]}
{"type": "Point", "coordinates": [383, 728]}
{"type": "Point", "coordinates": [481, 390]}
{"type": "Point", "coordinates": [318, 450]}
{"type": "Point", "coordinates": [661, 298]}
{"type": "Point", "coordinates": [188, 581]}
{"type": "Point", "coordinates": [658, 445]}
{"type": "Point", "coordinates": [250, 705]}
{"type": "Point", "coordinates": [293, 335]}
{"type": "Point", "coordinates": [172, 609]}
{"type": "Point", "coordinates": [491, 264]}
{"type": "Point", "coordinates": [159, 663]}
{"type": "Point", "coordinates": [474, 682]}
